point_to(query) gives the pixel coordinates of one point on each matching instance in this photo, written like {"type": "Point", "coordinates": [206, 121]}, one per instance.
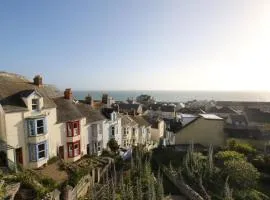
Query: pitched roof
{"type": "Point", "coordinates": [161, 107]}
{"type": "Point", "coordinates": [66, 110]}
{"type": "Point", "coordinates": [241, 103]}
{"type": "Point", "coordinates": [223, 109]}
{"type": "Point", "coordinates": [256, 115]}
{"type": "Point", "coordinates": [210, 117]}
{"type": "Point", "coordinates": [127, 106]}
{"type": "Point", "coordinates": [91, 115]}
{"type": "Point", "coordinates": [141, 121]}
{"type": "Point", "coordinates": [238, 118]}
{"type": "Point", "coordinates": [152, 120]}
{"type": "Point", "coordinates": [13, 87]}
{"type": "Point", "coordinates": [107, 112]}
{"type": "Point", "coordinates": [127, 121]}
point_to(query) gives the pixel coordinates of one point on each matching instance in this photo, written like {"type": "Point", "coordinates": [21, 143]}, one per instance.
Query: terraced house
{"type": "Point", "coordinates": [38, 122]}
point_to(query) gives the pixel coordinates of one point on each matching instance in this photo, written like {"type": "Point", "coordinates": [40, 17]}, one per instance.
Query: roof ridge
{"type": "Point", "coordinates": [14, 74]}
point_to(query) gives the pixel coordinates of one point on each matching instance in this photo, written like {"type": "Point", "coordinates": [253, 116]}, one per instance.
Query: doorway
{"type": "Point", "coordinates": [88, 149]}
{"type": "Point", "coordinates": [19, 156]}
{"type": "Point", "coordinates": [61, 152]}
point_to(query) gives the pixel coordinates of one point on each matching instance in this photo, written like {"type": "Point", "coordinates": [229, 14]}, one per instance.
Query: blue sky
{"type": "Point", "coordinates": [138, 44]}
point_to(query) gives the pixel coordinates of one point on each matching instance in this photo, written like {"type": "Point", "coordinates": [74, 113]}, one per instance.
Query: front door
{"type": "Point", "coordinates": [61, 152]}
{"type": "Point", "coordinates": [88, 149]}
{"type": "Point", "coordinates": [19, 156]}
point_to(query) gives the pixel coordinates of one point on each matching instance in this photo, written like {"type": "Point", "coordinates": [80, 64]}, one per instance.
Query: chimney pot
{"type": "Point", "coordinates": [68, 93]}
{"type": "Point", "coordinates": [38, 80]}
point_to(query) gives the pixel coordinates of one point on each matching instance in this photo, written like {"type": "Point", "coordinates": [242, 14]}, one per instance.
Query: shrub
{"type": "Point", "coordinates": [242, 174]}
{"type": "Point", "coordinates": [241, 147]}
{"type": "Point", "coordinates": [113, 145]}
{"type": "Point", "coordinates": [229, 155]}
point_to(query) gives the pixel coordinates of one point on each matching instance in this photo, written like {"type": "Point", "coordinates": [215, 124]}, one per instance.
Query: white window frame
{"type": "Point", "coordinates": [41, 151]}
{"type": "Point", "coordinates": [35, 104]}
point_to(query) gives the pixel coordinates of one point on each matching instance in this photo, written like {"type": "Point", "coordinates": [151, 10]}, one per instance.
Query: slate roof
{"type": "Point", "coordinates": [141, 121]}
{"type": "Point", "coordinates": [127, 121]}
{"type": "Point", "coordinates": [239, 118]}
{"type": "Point", "coordinates": [152, 120]}
{"type": "Point", "coordinates": [241, 103]}
{"type": "Point", "coordinates": [190, 110]}
{"type": "Point", "coordinates": [127, 107]}
{"type": "Point", "coordinates": [223, 109]}
{"type": "Point", "coordinates": [66, 110]}
{"type": "Point", "coordinates": [163, 108]}
{"type": "Point", "coordinates": [107, 112]}
{"type": "Point", "coordinates": [210, 117]}
{"type": "Point", "coordinates": [256, 115]}
{"type": "Point", "coordinates": [91, 115]}
{"type": "Point", "coordinates": [13, 87]}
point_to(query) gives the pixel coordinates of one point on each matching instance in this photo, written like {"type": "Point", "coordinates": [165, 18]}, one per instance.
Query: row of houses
{"type": "Point", "coordinates": [38, 123]}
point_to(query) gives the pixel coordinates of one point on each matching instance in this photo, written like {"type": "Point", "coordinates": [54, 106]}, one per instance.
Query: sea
{"type": "Point", "coordinates": [180, 96]}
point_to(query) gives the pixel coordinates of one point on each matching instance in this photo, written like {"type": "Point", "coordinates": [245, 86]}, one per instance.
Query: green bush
{"type": "Point", "coordinates": [242, 174]}
{"type": "Point", "coordinates": [113, 145]}
{"type": "Point", "coordinates": [244, 148]}
{"type": "Point", "coordinates": [229, 155]}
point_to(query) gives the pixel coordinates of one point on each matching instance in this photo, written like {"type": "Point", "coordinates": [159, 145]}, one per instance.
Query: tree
{"type": "Point", "coordinates": [243, 175]}
{"type": "Point", "coordinates": [113, 145]}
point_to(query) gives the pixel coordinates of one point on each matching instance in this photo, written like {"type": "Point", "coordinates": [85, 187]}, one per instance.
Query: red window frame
{"type": "Point", "coordinates": [73, 149]}
{"type": "Point", "coordinates": [71, 124]}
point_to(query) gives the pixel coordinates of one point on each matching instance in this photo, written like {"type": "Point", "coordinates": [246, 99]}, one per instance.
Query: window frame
{"type": "Point", "coordinates": [32, 127]}
{"type": "Point", "coordinates": [71, 152]}
{"type": "Point", "coordinates": [34, 151]}
{"type": "Point", "coordinates": [35, 104]}
{"type": "Point", "coordinates": [71, 130]}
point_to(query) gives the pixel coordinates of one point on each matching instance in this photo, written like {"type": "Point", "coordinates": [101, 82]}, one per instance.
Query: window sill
{"type": "Point", "coordinates": [38, 138]}
{"type": "Point", "coordinates": [38, 135]}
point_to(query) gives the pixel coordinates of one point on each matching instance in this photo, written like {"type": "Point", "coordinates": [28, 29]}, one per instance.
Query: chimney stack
{"type": "Point", "coordinates": [38, 80]}
{"type": "Point", "coordinates": [89, 100]}
{"type": "Point", "coordinates": [68, 94]}
{"type": "Point", "coordinates": [104, 98]}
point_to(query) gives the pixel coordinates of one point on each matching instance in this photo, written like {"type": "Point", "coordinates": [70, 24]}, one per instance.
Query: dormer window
{"type": "Point", "coordinates": [35, 104]}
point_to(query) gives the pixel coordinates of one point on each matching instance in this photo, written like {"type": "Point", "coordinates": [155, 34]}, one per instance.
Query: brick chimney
{"type": "Point", "coordinates": [68, 93]}
{"type": "Point", "coordinates": [38, 80]}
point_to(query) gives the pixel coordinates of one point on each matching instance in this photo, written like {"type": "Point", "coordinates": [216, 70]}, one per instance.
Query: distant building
{"type": "Point", "coordinates": [157, 128]}
{"type": "Point", "coordinates": [145, 99]}
{"type": "Point", "coordinates": [221, 111]}
{"type": "Point", "coordinates": [242, 105]}
{"type": "Point", "coordinates": [128, 108]}
{"type": "Point", "coordinates": [162, 111]}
